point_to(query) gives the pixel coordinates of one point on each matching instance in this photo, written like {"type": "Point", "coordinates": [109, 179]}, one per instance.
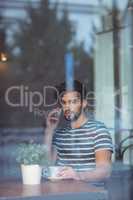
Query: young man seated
{"type": "Point", "coordinates": [83, 148]}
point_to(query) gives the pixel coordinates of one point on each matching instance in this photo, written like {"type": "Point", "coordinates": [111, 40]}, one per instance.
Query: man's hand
{"type": "Point", "coordinates": [68, 173]}
{"type": "Point", "coordinates": [53, 119]}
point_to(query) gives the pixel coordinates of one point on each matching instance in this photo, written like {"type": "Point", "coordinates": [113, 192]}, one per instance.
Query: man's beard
{"type": "Point", "coordinates": [72, 116]}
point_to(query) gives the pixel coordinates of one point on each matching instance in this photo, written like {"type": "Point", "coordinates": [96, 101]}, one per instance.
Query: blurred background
{"type": "Point", "coordinates": [44, 42]}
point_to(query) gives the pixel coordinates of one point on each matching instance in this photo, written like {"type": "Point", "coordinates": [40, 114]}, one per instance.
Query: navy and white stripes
{"type": "Point", "coordinates": [77, 147]}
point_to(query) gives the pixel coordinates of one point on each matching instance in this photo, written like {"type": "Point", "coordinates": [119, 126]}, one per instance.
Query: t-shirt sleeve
{"type": "Point", "coordinates": [102, 138]}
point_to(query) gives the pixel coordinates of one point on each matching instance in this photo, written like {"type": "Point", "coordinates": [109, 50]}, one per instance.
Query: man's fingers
{"type": "Point", "coordinates": [64, 171]}
{"type": "Point", "coordinates": [53, 117]}
{"type": "Point", "coordinates": [55, 112]}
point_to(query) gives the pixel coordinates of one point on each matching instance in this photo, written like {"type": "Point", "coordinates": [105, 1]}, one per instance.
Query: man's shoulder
{"type": "Point", "coordinates": [95, 123]}
{"type": "Point", "coordinates": [97, 126]}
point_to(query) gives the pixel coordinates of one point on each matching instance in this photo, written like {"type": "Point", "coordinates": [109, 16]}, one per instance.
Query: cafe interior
{"type": "Point", "coordinates": [91, 41]}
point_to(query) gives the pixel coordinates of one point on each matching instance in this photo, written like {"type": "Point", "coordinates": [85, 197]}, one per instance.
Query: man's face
{"type": "Point", "coordinates": [72, 105]}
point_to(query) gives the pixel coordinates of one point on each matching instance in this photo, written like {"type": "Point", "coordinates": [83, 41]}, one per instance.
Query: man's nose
{"type": "Point", "coordinates": [67, 105]}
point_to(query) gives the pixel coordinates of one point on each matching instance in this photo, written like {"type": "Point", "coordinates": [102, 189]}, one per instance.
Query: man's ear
{"type": "Point", "coordinates": [84, 103]}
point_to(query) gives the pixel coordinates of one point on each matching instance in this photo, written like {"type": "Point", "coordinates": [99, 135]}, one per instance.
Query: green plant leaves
{"type": "Point", "coordinates": [32, 153]}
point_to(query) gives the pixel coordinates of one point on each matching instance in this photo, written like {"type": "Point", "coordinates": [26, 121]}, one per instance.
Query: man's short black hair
{"type": "Point", "coordinates": [77, 87]}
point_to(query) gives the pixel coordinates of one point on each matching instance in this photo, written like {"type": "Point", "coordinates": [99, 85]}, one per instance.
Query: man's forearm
{"type": "Point", "coordinates": [48, 136]}
{"type": "Point", "coordinates": [96, 174]}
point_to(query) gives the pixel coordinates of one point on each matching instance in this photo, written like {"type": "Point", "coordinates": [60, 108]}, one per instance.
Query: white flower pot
{"type": "Point", "coordinates": [31, 174]}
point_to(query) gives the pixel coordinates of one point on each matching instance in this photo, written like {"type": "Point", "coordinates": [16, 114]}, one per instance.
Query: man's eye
{"type": "Point", "coordinates": [63, 102]}
{"type": "Point", "coordinates": [75, 101]}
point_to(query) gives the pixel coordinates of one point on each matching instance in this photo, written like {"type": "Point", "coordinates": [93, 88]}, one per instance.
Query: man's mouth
{"type": "Point", "coordinates": [67, 112]}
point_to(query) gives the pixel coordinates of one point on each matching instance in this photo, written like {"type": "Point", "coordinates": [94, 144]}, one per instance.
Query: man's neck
{"type": "Point", "coordinates": [80, 121]}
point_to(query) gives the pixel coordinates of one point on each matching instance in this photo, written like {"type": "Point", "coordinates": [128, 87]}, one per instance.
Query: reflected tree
{"type": "Point", "coordinates": [39, 45]}
{"type": "Point", "coordinates": [41, 42]}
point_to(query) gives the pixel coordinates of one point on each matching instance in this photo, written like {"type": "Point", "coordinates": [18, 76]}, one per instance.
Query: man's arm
{"type": "Point", "coordinates": [51, 124]}
{"type": "Point", "coordinates": [103, 167]}
{"type": "Point", "coordinates": [48, 137]}
{"type": "Point", "coordinates": [102, 170]}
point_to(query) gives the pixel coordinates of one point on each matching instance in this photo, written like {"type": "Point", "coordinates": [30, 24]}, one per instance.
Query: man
{"type": "Point", "coordinates": [83, 148]}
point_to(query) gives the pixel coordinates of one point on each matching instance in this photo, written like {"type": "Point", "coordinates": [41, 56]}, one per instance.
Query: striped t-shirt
{"type": "Point", "coordinates": [77, 147]}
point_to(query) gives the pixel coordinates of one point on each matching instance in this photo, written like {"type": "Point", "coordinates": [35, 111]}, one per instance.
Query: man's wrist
{"type": "Point", "coordinates": [49, 130]}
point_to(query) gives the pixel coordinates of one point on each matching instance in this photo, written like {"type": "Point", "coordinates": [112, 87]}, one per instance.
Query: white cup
{"type": "Point", "coordinates": [53, 171]}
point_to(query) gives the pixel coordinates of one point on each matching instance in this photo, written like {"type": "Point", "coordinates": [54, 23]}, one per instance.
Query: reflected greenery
{"type": "Point", "coordinates": [37, 51]}
{"type": "Point", "coordinates": [41, 42]}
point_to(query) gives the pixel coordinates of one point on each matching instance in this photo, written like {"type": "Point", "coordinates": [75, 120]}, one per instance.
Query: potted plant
{"type": "Point", "coordinates": [32, 157]}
